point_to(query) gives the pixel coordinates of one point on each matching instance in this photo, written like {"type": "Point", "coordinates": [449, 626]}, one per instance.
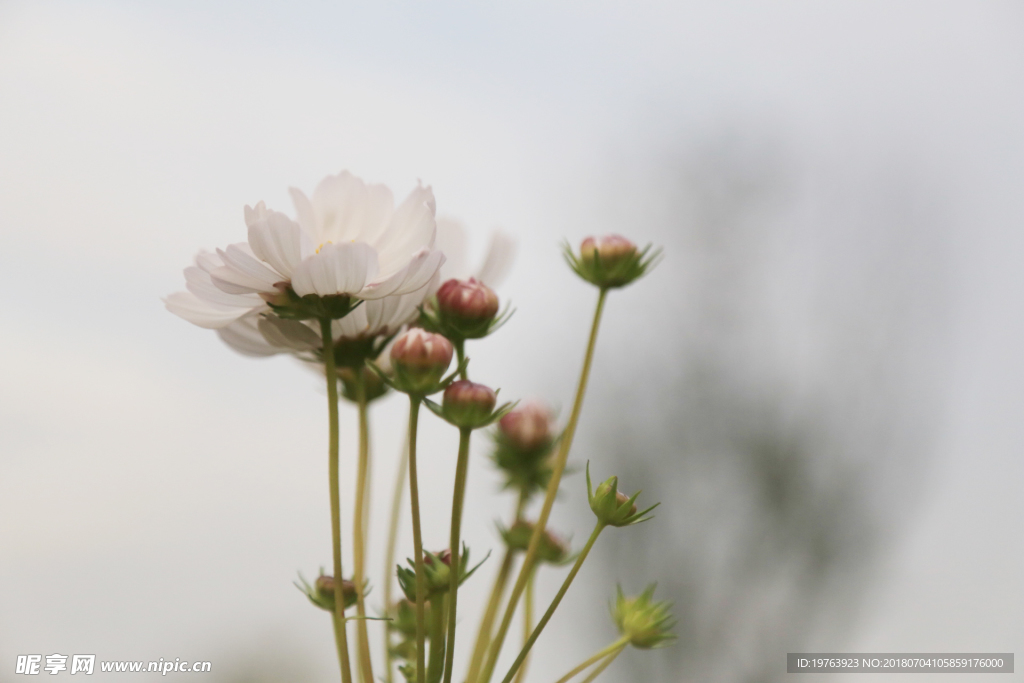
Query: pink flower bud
{"type": "Point", "coordinates": [445, 556]}
{"type": "Point", "coordinates": [610, 249]}
{"type": "Point", "coordinates": [621, 499]}
{"type": "Point", "coordinates": [467, 404]}
{"type": "Point", "coordinates": [420, 359]}
{"type": "Point", "coordinates": [528, 427]}
{"type": "Point", "coordinates": [468, 301]}
{"type": "Point", "coordinates": [324, 591]}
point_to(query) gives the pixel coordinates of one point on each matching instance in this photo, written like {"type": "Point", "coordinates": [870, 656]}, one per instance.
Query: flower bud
{"type": "Point", "coordinates": [321, 593]}
{"type": "Point", "coordinates": [436, 572]}
{"type": "Point", "coordinates": [419, 359]}
{"type": "Point", "coordinates": [552, 549]}
{"type": "Point", "coordinates": [612, 507]}
{"type": "Point", "coordinates": [621, 498]}
{"type": "Point", "coordinates": [404, 617]}
{"type": "Point", "coordinates": [372, 383]}
{"type": "Point", "coordinates": [467, 306]}
{"type": "Point", "coordinates": [610, 261]}
{"type": "Point", "coordinates": [467, 404]}
{"type": "Point", "coordinates": [610, 250]}
{"type": "Point", "coordinates": [644, 622]}
{"type": "Point", "coordinates": [528, 427]}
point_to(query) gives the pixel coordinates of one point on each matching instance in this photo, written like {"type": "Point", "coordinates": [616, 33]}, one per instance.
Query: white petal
{"type": "Point", "coordinates": [200, 312]}
{"type": "Point", "coordinates": [501, 252]}
{"type": "Point", "coordinates": [411, 229]}
{"type": "Point", "coordinates": [244, 336]}
{"type": "Point", "coordinates": [276, 239]}
{"type": "Point", "coordinates": [290, 335]}
{"type": "Point", "coordinates": [419, 271]}
{"type": "Point", "coordinates": [198, 282]}
{"type": "Point", "coordinates": [337, 269]}
{"type": "Point", "coordinates": [352, 325]}
{"type": "Point", "coordinates": [208, 261]}
{"type": "Point", "coordinates": [306, 216]}
{"type": "Point", "coordinates": [387, 315]}
{"type": "Point", "coordinates": [242, 272]}
{"type": "Point", "coordinates": [337, 200]}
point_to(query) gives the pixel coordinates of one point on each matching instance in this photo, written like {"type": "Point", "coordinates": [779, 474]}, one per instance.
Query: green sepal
{"type": "Point", "coordinates": [290, 306]}
{"type": "Point", "coordinates": [616, 274]}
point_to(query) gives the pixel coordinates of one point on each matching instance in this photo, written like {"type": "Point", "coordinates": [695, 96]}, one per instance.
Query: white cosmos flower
{"type": "Point", "coordinates": [261, 334]}
{"type": "Point", "coordinates": [350, 239]}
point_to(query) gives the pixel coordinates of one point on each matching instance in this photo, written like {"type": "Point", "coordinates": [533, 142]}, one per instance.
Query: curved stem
{"type": "Point", "coordinates": [560, 458]}
{"type": "Point", "coordinates": [554, 603]}
{"type": "Point", "coordinates": [611, 649]}
{"type": "Point", "coordinates": [389, 557]}
{"type": "Point", "coordinates": [458, 498]}
{"type": "Point", "coordinates": [359, 530]}
{"type": "Point", "coordinates": [603, 665]}
{"type": "Point", "coordinates": [340, 634]}
{"type": "Point", "coordinates": [527, 624]}
{"type": "Point", "coordinates": [417, 543]}
{"type": "Point", "coordinates": [436, 639]}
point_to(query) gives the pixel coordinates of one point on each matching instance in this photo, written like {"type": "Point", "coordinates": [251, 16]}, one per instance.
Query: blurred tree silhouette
{"type": "Point", "coordinates": [786, 404]}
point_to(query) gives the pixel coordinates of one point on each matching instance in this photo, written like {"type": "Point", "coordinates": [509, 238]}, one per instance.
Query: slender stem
{"type": "Point", "coordinates": [617, 645]}
{"type": "Point", "coordinates": [460, 355]}
{"type": "Point", "coordinates": [527, 624]}
{"type": "Point", "coordinates": [603, 665]}
{"type": "Point", "coordinates": [554, 603]}
{"type": "Point", "coordinates": [561, 456]}
{"type": "Point", "coordinates": [340, 634]}
{"type": "Point", "coordinates": [359, 529]}
{"type": "Point", "coordinates": [389, 557]}
{"type": "Point", "coordinates": [454, 545]}
{"type": "Point", "coordinates": [483, 636]}
{"type": "Point", "coordinates": [417, 543]}
{"type": "Point", "coordinates": [436, 639]}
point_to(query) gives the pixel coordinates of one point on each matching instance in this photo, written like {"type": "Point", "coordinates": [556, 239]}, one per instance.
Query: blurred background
{"type": "Point", "coordinates": [821, 382]}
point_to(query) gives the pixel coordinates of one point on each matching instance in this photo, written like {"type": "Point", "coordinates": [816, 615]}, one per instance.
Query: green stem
{"type": "Point", "coordinates": [340, 634]}
{"type": "Point", "coordinates": [554, 603]}
{"type": "Point", "coordinates": [460, 355]}
{"type": "Point", "coordinates": [458, 498]}
{"type": "Point", "coordinates": [417, 544]}
{"type": "Point", "coordinates": [527, 624]}
{"type": "Point", "coordinates": [560, 458]}
{"type": "Point", "coordinates": [389, 557]}
{"type": "Point", "coordinates": [359, 530]}
{"type": "Point", "coordinates": [603, 665]}
{"type": "Point", "coordinates": [436, 639]}
{"type": "Point", "coordinates": [483, 636]}
{"type": "Point", "coordinates": [611, 649]}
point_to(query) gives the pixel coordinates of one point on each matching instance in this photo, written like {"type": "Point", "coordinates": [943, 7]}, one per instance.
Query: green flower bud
{"type": "Point", "coordinates": [610, 261]}
{"type": "Point", "coordinates": [644, 622]}
{"type": "Point", "coordinates": [552, 549]}
{"type": "Point", "coordinates": [612, 507]}
{"type": "Point", "coordinates": [436, 572]}
{"type": "Point", "coordinates": [374, 385]}
{"type": "Point", "coordinates": [321, 593]}
{"type": "Point", "coordinates": [403, 618]}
